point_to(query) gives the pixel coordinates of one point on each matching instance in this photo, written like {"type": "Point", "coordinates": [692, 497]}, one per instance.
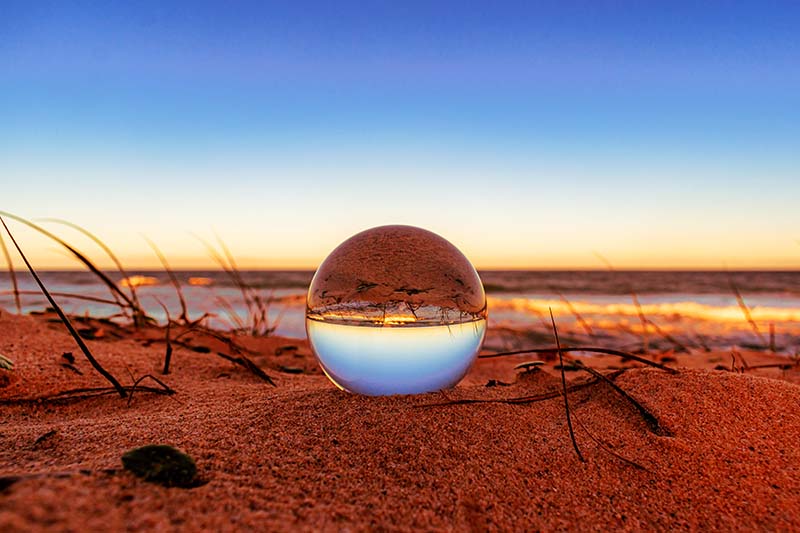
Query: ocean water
{"type": "Point", "coordinates": [693, 309]}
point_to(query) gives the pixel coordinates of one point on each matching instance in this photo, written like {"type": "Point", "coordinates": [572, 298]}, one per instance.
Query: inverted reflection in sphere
{"type": "Point", "coordinates": [396, 310]}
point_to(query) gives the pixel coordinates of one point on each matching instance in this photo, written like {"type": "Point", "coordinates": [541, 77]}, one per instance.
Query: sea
{"type": "Point", "coordinates": [680, 310]}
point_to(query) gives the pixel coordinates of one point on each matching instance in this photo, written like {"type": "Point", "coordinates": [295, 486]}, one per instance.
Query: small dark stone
{"type": "Point", "coordinates": [68, 357]}
{"type": "Point", "coordinates": [165, 465]}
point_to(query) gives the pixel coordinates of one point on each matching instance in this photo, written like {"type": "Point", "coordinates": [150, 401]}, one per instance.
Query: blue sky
{"type": "Point", "coordinates": [530, 134]}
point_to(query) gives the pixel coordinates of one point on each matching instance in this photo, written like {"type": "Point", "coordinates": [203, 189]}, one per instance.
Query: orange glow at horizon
{"type": "Point", "coordinates": [494, 247]}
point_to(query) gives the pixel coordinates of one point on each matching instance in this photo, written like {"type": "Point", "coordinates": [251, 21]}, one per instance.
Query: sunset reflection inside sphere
{"type": "Point", "coordinates": [396, 310]}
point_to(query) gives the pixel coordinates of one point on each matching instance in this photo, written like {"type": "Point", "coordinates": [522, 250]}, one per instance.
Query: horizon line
{"type": "Point", "coordinates": [479, 269]}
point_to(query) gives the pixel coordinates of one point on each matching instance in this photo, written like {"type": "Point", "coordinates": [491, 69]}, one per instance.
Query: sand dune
{"type": "Point", "coordinates": [305, 456]}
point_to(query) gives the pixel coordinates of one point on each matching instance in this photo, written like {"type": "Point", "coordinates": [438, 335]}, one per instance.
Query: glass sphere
{"type": "Point", "coordinates": [396, 310]}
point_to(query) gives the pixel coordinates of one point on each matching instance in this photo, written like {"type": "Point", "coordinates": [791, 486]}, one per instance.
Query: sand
{"type": "Point", "coordinates": [306, 456]}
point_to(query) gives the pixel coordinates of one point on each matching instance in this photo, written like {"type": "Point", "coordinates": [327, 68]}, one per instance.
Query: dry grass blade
{"type": "Point", "coordinates": [519, 399]}
{"type": "Point", "coordinates": [772, 337]}
{"type": "Point", "coordinates": [642, 319]}
{"type": "Point", "coordinates": [167, 340]}
{"type": "Point", "coordinates": [257, 306]}
{"type": "Point", "coordinates": [651, 419]}
{"type": "Point", "coordinates": [232, 273]}
{"type": "Point", "coordinates": [70, 295]}
{"type": "Point", "coordinates": [11, 274]}
{"type": "Point", "coordinates": [746, 311]}
{"type": "Point", "coordinates": [607, 448]}
{"type": "Point", "coordinates": [234, 317]}
{"type": "Point", "coordinates": [582, 321]}
{"type": "Point", "coordinates": [234, 269]}
{"type": "Point", "coordinates": [608, 351]}
{"type": "Point", "coordinates": [73, 395]}
{"type": "Point", "coordinates": [85, 349]}
{"type": "Point", "coordinates": [173, 278]}
{"type": "Point", "coordinates": [245, 361]}
{"type": "Point", "coordinates": [106, 249]}
{"type": "Point", "coordinates": [636, 303]}
{"type": "Point", "coordinates": [782, 366]}
{"type": "Point", "coordinates": [229, 267]}
{"type": "Point", "coordinates": [564, 387]}
{"type": "Point", "coordinates": [113, 287]}
{"type": "Point", "coordinates": [669, 338]}
{"type": "Point", "coordinates": [242, 359]}
{"type": "Point", "coordinates": [166, 388]}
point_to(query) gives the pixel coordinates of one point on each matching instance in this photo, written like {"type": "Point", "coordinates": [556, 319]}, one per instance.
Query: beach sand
{"type": "Point", "coordinates": [306, 456]}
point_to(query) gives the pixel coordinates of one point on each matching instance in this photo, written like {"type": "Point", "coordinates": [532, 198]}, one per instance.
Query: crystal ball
{"type": "Point", "coordinates": [395, 310]}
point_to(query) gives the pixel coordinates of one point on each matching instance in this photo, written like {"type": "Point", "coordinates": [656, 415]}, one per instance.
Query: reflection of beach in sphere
{"type": "Point", "coordinates": [396, 310]}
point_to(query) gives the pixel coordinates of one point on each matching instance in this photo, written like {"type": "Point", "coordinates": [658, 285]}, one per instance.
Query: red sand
{"type": "Point", "coordinates": [305, 456]}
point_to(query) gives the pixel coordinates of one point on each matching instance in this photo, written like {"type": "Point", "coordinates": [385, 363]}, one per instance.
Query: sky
{"type": "Point", "coordinates": [529, 134]}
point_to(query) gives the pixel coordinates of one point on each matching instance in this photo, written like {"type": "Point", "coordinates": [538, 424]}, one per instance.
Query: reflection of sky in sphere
{"type": "Point", "coordinates": [395, 360]}
{"type": "Point", "coordinates": [396, 310]}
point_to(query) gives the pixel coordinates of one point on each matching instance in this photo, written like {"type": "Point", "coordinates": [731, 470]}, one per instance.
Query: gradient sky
{"type": "Point", "coordinates": [530, 134]}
